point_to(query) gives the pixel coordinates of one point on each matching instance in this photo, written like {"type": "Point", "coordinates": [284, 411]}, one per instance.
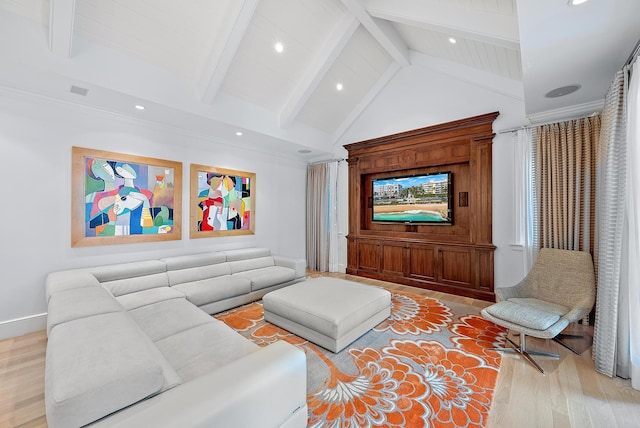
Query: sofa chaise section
{"type": "Point", "coordinates": [129, 345]}
{"type": "Point", "coordinates": [265, 389]}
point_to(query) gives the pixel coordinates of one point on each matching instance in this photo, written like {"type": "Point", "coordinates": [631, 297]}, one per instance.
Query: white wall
{"type": "Point", "coordinates": [36, 136]}
{"type": "Point", "coordinates": [418, 97]}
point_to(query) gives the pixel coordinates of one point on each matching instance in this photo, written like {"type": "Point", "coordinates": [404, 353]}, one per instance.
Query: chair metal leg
{"type": "Point", "coordinates": [558, 339]}
{"type": "Point", "coordinates": [522, 350]}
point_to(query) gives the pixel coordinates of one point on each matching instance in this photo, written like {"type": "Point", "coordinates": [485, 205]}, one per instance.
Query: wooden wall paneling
{"type": "Point", "coordinates": [352, 255]}
{"type": "Point", "coordinates": [481, 163]}
{"type": "Point", "coordinates": [485, 274]}
{"type": "Point", "coordinates": [486, 176]}
{"type": "Point", "coordinates": [354, 196]}
{"type": "Point", "coordinates": [455, 258]}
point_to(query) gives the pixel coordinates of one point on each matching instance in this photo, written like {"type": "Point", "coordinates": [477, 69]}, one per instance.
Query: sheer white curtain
{"type": "Point", "coordinates": [322, 218]}
{"type": "Point", "coordinates": [617, 326]}
{"type": "Point", "coordinates": [628, 365]}
{"type": "Point", "coordinates": [333, 217]}
{"type": "Point", "coordinates": [525, 194]}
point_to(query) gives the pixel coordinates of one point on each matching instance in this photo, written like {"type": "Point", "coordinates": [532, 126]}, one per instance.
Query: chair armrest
{"type": "Point", "coordinates": [299, 265]}
{"type": "Point", "coordinates": [266, 388]}
{"type": "Point", "coordinates": [580, 309]}
{"type": "Point", "coordinates": [504, 293]}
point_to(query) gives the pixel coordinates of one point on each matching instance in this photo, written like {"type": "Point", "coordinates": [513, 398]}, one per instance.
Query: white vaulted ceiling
{"type": "Point", "coordinates": [210, 67]}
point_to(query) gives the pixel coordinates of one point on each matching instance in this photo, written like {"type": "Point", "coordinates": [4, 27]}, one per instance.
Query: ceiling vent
{"type": "Point", "coordinates": [78, 90]}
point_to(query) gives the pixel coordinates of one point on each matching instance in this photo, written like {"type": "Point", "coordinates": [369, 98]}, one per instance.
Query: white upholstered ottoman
{"type": "Point", "coordinates": [329, 312]}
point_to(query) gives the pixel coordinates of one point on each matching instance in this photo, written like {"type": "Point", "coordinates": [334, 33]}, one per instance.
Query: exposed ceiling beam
{"type": "Point", "coordinates": [365, 101]}
{"type": "Point", "coordinates": [223, 53]}
{"type": "Point", "coordinates": [495, 28]}
{"type": "Point", "coordinates": [61, 17]}
{"type": "Point", "coordinates": [382, 31]}
{"type": "Point", "coordinates": [483, 79]}
{"type": "Point", "coordinates": [324, 59]}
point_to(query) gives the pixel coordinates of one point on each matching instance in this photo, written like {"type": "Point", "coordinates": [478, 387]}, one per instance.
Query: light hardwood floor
{"type": "Point", "coordinates": [571, 394]}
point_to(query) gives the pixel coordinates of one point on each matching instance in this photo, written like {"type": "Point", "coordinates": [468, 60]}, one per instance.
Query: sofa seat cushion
{"type": "Point", "coordinates": [76, 303]}
{"type": "Point", "coordinates": [164, 319]}
{"type": "Point", "coordinates": [147, 297]}
{"type": "Point", "coordinates": [214, 289]}
{"type": "Point", "coordinates": [204, 348]}
{"type": "Point", "coordinates": [268, 276]}
{"type": "Point", "coordinates": [98, 365]}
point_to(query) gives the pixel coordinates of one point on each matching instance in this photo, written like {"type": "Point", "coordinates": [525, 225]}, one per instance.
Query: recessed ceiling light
{"type": "Point", "coordinates": [562, 91]}
{"type": "Point", "coordinates": [139, 107]}
{"type": "Point", "coordinates": [339, 86]}
{"type": "Point", "coordinates": [239, 134]}
{"type": "Point", "coordinates": [452, 40]}
{"type": "Point", "coordinates": [576, 2]}
{"type": "Point", "coordinates": [304, 151]}
{"type": "Point", "coordinates": [279, 47]}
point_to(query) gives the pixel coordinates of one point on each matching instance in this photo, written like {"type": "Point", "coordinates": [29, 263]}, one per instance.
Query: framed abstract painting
{"type": "Point", "coordinates": [222, 202]}
{"type": "Point", "coordinates": [118, 198]}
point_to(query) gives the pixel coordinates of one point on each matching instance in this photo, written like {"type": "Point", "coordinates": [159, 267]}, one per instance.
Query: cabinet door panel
{"type": "Point", "coordinates": [456, 267]}
{"type": "Point", "coordinates": [392, 260]}
{"type": "Point", "coordinates": [422, 262]}
{"type": "Point", "coordinates": [368, 256]}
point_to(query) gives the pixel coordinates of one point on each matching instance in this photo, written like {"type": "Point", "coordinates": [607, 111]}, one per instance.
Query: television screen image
{"type": "Point", "coordinates": [414, 199]}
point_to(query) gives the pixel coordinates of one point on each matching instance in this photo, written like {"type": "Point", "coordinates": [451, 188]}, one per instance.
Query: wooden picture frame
{"type": "Point", "coordinates": [121, 199]}
{"type": "Point", "coordinates": [222, 202]}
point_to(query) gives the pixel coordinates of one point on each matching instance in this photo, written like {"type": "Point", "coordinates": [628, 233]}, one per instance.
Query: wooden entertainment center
{"type": "Point", "coordinates": [454, 258]}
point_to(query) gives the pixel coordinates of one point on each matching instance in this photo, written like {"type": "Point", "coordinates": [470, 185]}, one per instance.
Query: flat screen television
{"type": "Point", "coordinates": [426, 198]}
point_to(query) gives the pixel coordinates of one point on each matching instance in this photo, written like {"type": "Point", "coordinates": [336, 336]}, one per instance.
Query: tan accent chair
{"type": "Point", "coordinates": [559, 289]}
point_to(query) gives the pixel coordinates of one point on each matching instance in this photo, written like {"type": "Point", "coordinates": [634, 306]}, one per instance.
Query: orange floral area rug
{"type": "Point", "coordinates": [427, 365]}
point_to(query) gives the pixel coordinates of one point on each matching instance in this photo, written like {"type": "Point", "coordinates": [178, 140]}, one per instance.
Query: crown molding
{"type": "Point", "coordinates": [569, 112]}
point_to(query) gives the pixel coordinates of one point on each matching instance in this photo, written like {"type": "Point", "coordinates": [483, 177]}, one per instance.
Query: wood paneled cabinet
{"type": "Point", "coordinates": [454, 258]}
{"type": "Point", "coordinates": [456, 269]}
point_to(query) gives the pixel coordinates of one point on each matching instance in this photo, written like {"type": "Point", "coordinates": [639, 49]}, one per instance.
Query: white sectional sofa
{"type": "Point", "coordinates": [133, 345]}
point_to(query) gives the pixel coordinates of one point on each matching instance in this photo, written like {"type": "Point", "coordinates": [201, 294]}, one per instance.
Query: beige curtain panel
{"type": "Point", "coordinates": [317, 218]}
{"type": "Point", "coordinates": [566, 153]}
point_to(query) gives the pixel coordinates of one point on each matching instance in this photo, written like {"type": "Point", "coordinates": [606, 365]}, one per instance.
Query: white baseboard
{"type": "Point", "coordinates": [24, 325]}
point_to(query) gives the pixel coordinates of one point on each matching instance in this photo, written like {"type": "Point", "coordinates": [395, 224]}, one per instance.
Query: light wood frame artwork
{"type": "Point", "coordinates": [120, 199]}
{"type": "Point", "coordinates": [222, 203]}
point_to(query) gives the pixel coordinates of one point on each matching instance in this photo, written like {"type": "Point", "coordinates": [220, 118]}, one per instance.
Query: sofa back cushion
{"type": "Point", "coordinates": [197, 267]}
{"type": "Point", "coordinates": [127, 278]}
{"type": "Point", "coordinates": [250, 264]}
{"type": "Point", "coordinates": [246, 253]}
{"type": "Point", "coordinates": [67, 280]}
